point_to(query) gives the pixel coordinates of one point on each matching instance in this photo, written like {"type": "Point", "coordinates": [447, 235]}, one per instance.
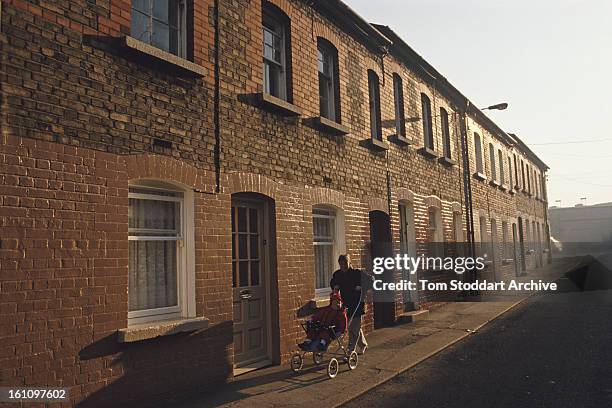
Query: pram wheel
{"type": "Point", "coordinates": [317, 357]}
{"type": "Point", "coordinates": [332, 368]}
{"type": "Point", "coordinates": [353, 360]}
{"type": "Point", "coordinates": [297, 362]}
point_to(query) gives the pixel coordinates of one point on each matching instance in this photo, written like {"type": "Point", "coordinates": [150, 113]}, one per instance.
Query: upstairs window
{"type": "Point", "coordinates": [502, 175]}
{"type": "Point", "coordinates": [327, 62]}
{"type": "Point", "coordinates": [478, 152]}
{"type": "Point", "coordinates": [445, 132]}
{"type": "Point", "coordinates": [374, 93]}
{"type": "Point", "coordinates": [161, 24]}
{"type": "Point", "coordinates": [428, 136]}
{"type": "Point", "coordinates": [510, 174]}
{"type": "Point", "coordinates": [492, 161]}
{"type": "Point", "coordinates": [516, 175]}
{"type": "Point", "coordinates": [275, 52]}
{"type": "Point", "coordinates": [398, 95]}
{"type": "Point", "coordinates": [523, 174]}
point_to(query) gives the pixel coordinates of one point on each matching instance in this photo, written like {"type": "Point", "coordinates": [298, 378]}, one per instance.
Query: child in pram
{"type": "Point", "coordinates": [327, 324]}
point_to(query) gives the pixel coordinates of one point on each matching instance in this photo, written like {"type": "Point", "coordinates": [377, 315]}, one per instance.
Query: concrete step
{"type": "Point", "coordinates": [413, 316]}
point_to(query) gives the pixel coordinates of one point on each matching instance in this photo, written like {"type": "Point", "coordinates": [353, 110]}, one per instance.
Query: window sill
{"type": "Point", "coordinates": [328, 126]}
{"type": "Point", "coordinates": [447, 161]}
{"type": "Point", "coordinates": [151, 330]}
{"type": "Point", "coordinates": [494, 183]}
{"type": "Point", "coordinates": [480, 176]}
{"type": "Point", "coordinates": [503, 187]}
{"type": "Point", "coordinates": [375, 144]}
{"type": "Point", "coordinates": [151, 55]}
{"type": "Point", "coordinates": [507, 261]}
{"type": "Point", "coordinates": [276, 105]}
{"type": "Point", "coordinates": [511, 191]}
{"type": "Point", "coordinates": [427, 152]}
{"type": "Point", "coordinates": [399, 140]}
{"type": "Point", "coordinates": [318, 303]}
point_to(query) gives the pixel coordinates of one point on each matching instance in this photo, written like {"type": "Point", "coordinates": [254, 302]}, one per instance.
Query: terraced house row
{"type": "Point", "coordinates": [178, 178]}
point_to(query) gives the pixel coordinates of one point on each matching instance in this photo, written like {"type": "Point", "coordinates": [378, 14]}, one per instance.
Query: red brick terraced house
{"type": "Point", "coordinates": [177, 182]}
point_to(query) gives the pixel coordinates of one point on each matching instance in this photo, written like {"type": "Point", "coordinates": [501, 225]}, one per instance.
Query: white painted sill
{"type": "Point", "coordinates": [151, 330]}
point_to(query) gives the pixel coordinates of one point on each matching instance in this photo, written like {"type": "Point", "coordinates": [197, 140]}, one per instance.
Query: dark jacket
{"type": "Point", "coordinates": [347, 281]}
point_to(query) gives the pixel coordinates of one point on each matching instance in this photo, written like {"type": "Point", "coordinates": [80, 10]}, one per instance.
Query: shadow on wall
{"type": "Point", "coordinates": [161, 371]}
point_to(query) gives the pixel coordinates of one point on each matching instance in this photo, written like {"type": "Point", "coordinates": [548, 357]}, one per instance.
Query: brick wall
{"type": "Point", "coordinates": [81, 120]}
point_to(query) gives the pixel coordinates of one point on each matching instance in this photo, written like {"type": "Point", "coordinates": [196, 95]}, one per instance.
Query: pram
{"type": "Point", "coordinates": [341, 352]}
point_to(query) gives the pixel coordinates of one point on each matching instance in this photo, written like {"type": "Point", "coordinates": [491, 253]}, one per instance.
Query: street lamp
{"type": "Point", "coordinates": [498, 106]}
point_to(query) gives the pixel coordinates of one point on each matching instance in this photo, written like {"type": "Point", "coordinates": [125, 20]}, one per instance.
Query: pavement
{"type": "Point", "coordinates": [391, 351]}
{"type": "Point", "coordinates": [551, 351]}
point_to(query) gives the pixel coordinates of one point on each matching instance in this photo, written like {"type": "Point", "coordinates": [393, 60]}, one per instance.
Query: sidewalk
{"type": "Point", "coordinates": [392, 350]}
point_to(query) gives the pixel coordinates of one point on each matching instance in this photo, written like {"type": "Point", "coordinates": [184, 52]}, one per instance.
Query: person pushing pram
{"type": "Point", "coordinates": [327, 324]}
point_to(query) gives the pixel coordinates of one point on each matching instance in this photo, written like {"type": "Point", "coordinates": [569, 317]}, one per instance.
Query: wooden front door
{"type": "Point", "coordinates": [249, 282]}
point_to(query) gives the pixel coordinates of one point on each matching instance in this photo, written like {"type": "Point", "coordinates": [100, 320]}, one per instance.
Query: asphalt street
{"type": "Point", "coordinates": [553, 350]}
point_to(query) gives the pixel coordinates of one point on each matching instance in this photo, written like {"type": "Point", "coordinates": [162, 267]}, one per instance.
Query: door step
{"type": "Point", "coordinates": [413, 316]}
{"type": "Point", "coordinates": [251, 367]}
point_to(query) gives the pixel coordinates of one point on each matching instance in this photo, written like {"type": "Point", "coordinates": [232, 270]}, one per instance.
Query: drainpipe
{"type": "Point", "coordinates": [467, 190]}
{"type": "Point", "coordinates": [216, 103]}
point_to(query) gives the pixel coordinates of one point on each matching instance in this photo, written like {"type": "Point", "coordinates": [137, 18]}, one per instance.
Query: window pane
{"type": "Point", "coordinates": [139, 26]}
{"type": "Point", "coordinates": [242, 246]}
{"type": "Point", "coordinates": [242, 222]}
{"type": "Point", "coordinates": [323, 230]}
{"type": "Point", "coordinates": [243, 273]}
{"type": "Point", "coordinates": [254, 246]}
{"type": "Point", "coordinates": [152, 274]}
{"type": "Point", "coordinates": [174, 41]}
{"type": "Point", "coordinates": [234, 274]}
{"type": "Point", "coordinates": [253, 220]}
{"type": "Point", "coordinates": [142, 5]}
{"type": "Point", "coordinates": [323, 265]}
{"type": "Point", "coordinates": [160, 36]}
{"type": "Point", "coordinates": [255, 273]}
{"type": "Point", "coordinates": [162, 217]}
{"type": "Point", "coordinates": [160, 9]}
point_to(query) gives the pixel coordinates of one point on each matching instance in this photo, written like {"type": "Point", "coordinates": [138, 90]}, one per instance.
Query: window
{"type": "Point", "coordinates": [329, 94]}
{"type": "Point", "coordinates": [427, 124]}
{"type": "Point", "coordinates": [505, 243]}
{"type": "Point", "coordinates": [161, 277]}
{"type": "Point", "coordinates": [161, 24]}
{"type": "Point", "coordinates": [510, 179]}
{"type": "Point", "coordinates": [329, 243]}
{"type": "Point", "coordinates": [275, 52]}
{"type": "Point", "coordinates": [445, 132]}
{"type": "Point", "coordinates": [435, 233]}
{"type": "Point", "coordinates": [457, 227]}
{"type": "Point", "coordinates": [481, 247]}
{"type": "Point", "coordinates": [492, 162]}
{"type": "Point", "coordinates": [528, 179]}
{"type": "Point", "coordinates": [516, 175]}
{"type": "Point", "coordinates": [398, 94]}
{"type": "Point", "coordinates": [502, 175]}
{"type": "Point", "coordinates": [478, 152]}
{"type": "Point", "coordinates": [374, 92]}
{"type": "Point", "coordinates": [522, 174]}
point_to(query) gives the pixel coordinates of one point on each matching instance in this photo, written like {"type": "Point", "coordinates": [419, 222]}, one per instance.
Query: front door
{"type": "Point", "coordinates": [408, 247]}
{"type": "Point", "coordinates": [249, 279]}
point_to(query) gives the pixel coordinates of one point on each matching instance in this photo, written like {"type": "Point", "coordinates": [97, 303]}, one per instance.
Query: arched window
{"type": "Point", "coordinates": [446, 139]}
{"type": "Point", "coordinates": [329, 243]}
{"type": "Point", "coordinates": [161, 247]}
{"type": "Point", "coordinates": [398, 96]}
{"type": "Point", "coordinates": [276, 52]}
{"type": "Point", "coordinates": [502, 173]}
{"type": "Point", "coordinates": [329, 91]}
{"type": "Point", "coordinates": [493, 169]}
{"type": "Point", "coordinates": [375, 115]}
{"type": "Point", "coordinates": [428, 136]}
{"type": "Point", "coordinates": [478, 153]}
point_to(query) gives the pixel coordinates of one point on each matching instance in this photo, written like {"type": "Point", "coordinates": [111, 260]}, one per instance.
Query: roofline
{"type": "Point", "coordinates": [401, 49]}
{"type": "Point", "coordinates": [340, 13]}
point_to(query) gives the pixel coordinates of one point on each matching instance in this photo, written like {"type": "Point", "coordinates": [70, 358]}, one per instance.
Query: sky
{"type": "Point", "coordinates": [550, 60]}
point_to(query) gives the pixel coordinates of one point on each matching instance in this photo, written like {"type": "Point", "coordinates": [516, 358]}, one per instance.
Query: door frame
{"type": "Point", "coordinates": [405, 209]}
{"type": "Point", "coordinates": [265, 278]}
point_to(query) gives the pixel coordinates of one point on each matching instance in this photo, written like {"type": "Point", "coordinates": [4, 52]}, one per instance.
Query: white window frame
{"type": "Point", "coordinates": [185, 307]}
{"type": "Point", "coordinates": [181, 28]}
{"type": "Point", "coordinates": [338, 241]}
{"type": "Point", "coordinates": [437, 229]}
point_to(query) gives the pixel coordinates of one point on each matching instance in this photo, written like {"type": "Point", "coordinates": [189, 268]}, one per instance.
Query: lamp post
{"type": "Point", "coordinates": [467, 180]}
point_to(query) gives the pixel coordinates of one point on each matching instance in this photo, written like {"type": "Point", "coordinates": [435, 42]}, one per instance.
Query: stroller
{"type": "Point", "coordinates": [341, 353]}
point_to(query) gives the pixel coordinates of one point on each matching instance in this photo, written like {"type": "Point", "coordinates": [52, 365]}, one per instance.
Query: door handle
{"type": "Point", "coordinates": [245, 294]}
